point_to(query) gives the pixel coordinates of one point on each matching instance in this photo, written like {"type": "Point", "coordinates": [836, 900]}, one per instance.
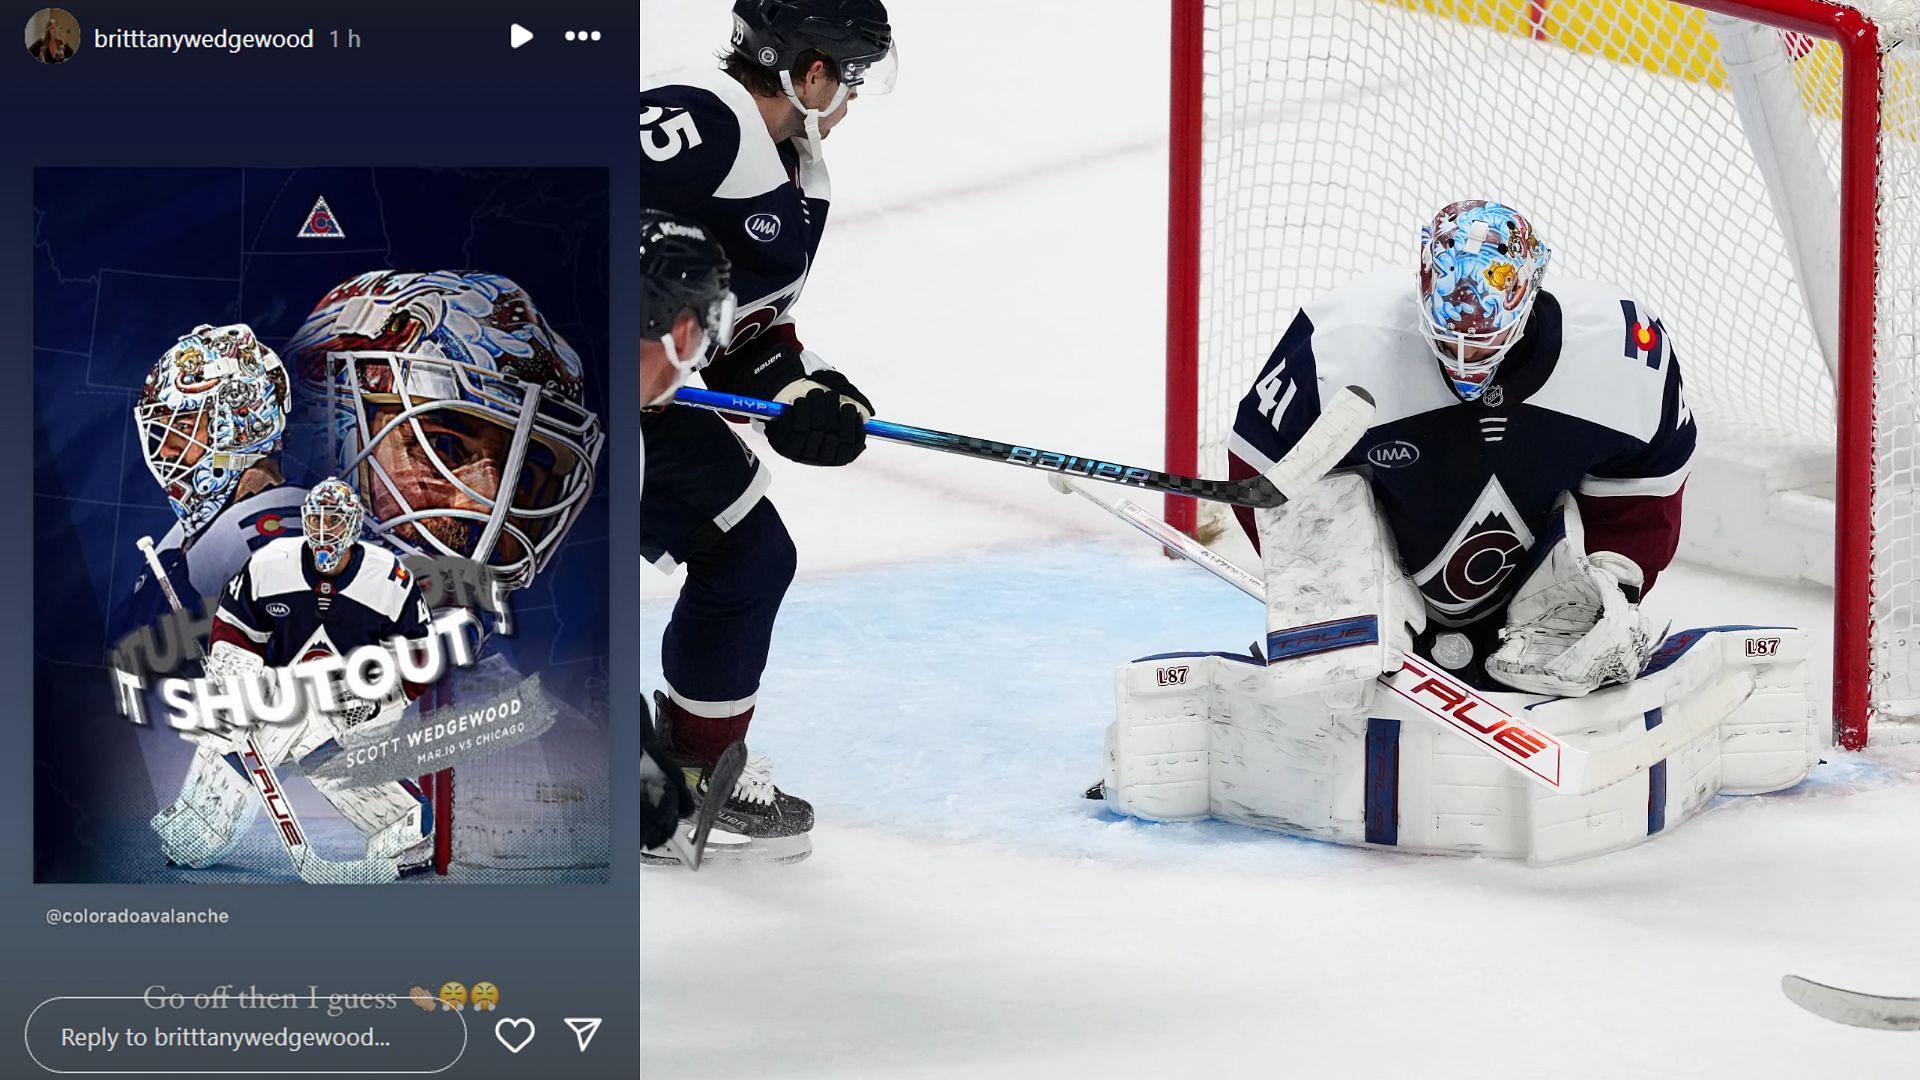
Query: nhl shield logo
{"type": "Point", "coordinates": [321, 224]}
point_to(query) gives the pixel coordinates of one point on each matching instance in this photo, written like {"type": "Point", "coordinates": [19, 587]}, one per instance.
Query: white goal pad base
{"type": "Point", "coordinates": [1216, 735]}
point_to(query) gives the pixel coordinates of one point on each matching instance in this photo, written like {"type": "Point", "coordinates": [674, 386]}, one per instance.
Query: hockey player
{"type": "Point", "coordinates": [1498, 399]}
{"type": "Point", "coordinates": [739, 152]}
{"type": "Point", "coordinates": [1513, 491]}
{"type": "Point", "coordinates": [211, 420]}
{"type": "Point", "coordinates": [686, 315]}
{"type": "Point", "coordinates": [328, 592]}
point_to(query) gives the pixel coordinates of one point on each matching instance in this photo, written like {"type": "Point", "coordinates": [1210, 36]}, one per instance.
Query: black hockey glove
{"type": "Point", "coordinates": [664, 797]}
{"type": "Point", "coordinates": [824, 424]}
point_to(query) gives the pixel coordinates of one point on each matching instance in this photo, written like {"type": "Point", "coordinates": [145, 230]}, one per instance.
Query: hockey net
{"type": "Point", "coordinates": [537, 811]}
{"type": "Point", "coordinates": [1742, 170]}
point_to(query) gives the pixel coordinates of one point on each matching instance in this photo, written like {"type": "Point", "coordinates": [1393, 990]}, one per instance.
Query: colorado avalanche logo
{"type": "Point", "coordinates": [1478, 559]}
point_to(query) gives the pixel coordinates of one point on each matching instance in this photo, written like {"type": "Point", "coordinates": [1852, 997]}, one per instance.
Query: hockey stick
{"type": "Point", "coordinates": [1168, 536]}
{"type": "Point", "coordinates": [1344, 412]}
{"type": "Point", "coordinates": [1852, 1007]}
{"type": "Point", "coordinates": [1471, 713]}
{"type": "Point", "coordinates": [725, 774]}
{"type": "Point", "coordinates": [312, 867]}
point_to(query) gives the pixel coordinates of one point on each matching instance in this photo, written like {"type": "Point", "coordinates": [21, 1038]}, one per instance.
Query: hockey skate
{"type": "Point", "coordinates": [757, 823]}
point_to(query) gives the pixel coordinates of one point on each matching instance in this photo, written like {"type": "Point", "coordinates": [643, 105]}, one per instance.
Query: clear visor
{"type": "Point", "coordinates": [873, 76]}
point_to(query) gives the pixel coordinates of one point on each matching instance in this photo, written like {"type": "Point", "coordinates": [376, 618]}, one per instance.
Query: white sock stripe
{"type": "Point", "coordinates": [712, 710]}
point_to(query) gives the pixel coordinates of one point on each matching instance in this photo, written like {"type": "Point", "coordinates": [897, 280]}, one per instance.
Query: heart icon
{"type": "Point", "coordinates": [508, 1030]}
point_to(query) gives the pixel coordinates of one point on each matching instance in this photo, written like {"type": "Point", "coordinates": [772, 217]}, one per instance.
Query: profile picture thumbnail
{"type": "Point", "coordinates": [53, 35]}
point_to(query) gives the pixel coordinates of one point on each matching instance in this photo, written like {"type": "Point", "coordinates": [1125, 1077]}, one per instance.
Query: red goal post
{"type": "Point", "coordinates": [1767, 202]}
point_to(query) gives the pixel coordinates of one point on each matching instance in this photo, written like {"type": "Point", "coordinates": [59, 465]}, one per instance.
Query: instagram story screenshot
{"type": "Point", "coordinates": [321, 719]}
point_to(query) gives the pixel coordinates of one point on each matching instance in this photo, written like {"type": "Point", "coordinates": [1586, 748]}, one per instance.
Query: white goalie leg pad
{"type": "Point", "coordinates": [208, 819]}
{"type": "Point", "coordinates": [1280, 745]}
{"type": "Point", "coordinates": [387, 814]}
{"type": "Point", "coordinates": [1570, 626]}
{"type": "Point", "coordinates": [1209, 735]}
{"type": "Point", "coordinates": [1718, 710]}
{"type": "Point", "coordinates": [1156, 747]}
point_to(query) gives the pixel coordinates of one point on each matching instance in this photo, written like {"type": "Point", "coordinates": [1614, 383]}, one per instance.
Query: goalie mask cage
{"type": "Point", "coordinates": [1752, 170]}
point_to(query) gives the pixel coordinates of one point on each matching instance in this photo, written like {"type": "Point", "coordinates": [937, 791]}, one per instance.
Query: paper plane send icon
{"type": "Point", "coordinates": [518, 35]}
{"type": "Point", "coordinates": [584, 1028]}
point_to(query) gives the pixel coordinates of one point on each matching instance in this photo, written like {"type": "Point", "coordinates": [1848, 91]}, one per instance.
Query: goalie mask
{"type": "Point", "coordinates": [1480, 270]}
{"type": "Point", "coordinates": [682, 269]}
{"type": "Point", "coordinates": [213, 405]}
{"type": "Point", "coordinates": [330, 520]}
{"type": "Point", "coordinates": [457, 414]}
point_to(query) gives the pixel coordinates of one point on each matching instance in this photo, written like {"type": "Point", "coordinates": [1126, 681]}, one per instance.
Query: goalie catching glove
{"type": "Point", "coordinates": [1575, 624]}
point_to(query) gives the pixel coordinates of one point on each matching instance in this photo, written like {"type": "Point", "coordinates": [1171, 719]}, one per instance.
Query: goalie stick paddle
{"type": "Point", "coordinates": [1852, 1007]}
{"type": "Point", "coordinates": [1345, 414]}
{"type": "Point", "coordinates": [312, 867]}
{"type": "Point", "coordinates": [1200, 554]}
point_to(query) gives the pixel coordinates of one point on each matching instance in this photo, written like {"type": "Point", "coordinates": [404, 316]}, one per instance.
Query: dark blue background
{"type": "Point", "coordinates": [127, 260]}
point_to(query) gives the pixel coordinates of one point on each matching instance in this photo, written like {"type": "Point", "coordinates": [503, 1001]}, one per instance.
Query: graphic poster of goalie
{"type": "Point", "coordinates": [320, 520]}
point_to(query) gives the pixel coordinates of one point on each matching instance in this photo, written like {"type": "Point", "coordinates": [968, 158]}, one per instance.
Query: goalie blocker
{"type": "Point", "coordinates": [1339, 733]}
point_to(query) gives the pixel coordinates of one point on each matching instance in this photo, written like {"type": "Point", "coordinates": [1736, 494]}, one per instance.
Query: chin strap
{"type": "Point", "coordinates": [813, 115]}
{"type": "Point", "coordinates": [683, 369]}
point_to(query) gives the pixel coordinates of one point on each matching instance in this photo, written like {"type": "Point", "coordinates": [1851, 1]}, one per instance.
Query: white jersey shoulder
{"type": "Point", "coordinates": [1365, 334]}
{"type": "Point", "coordinates": [756, 168]}
{"type": "Point", "coordinates": [222, 548]}
{"type": "Point", "coordinates": [381, 582]}
{"type": "Point", "coordinates": [1614, 359]}
{"type": "Point", "coordinates": [276, 569]}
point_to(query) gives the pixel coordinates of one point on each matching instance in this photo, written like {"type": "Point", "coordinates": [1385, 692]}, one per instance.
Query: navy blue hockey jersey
{"type": "Point", "coordinates": [705, 154]}
{"type": "Point", "coordinates": [1590, 401]}
{"type": "Point", "coordinates": [283, 609]}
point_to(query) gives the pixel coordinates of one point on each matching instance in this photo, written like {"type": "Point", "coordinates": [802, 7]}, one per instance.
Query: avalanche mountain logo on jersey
{"type": "Point", "coordinates": [1477, 560]}
{"type": "Point", "coordinates": [320, 223]}
{"type": "Point", "coordinates": [764, 227]}
{"type": "Point", "coordinates": [1393, 455]}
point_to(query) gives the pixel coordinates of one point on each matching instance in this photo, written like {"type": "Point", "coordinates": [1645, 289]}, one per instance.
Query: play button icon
{"type": "Point", "coordinates": [518, 35]}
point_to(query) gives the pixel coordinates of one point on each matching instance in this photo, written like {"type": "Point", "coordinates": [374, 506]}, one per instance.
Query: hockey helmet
{"type": "Point", "coordinates": [213, 405]}
{"type": "Point", "coordinates": [330, 519]}
{"type": "Point", "coordinates": [683, 269]}
{"type": "Point", "coordinates": [1480, 270]}
{"type": "Point", "coordinates": [456, 412]}
{"type": "Point", "coordinates": [853, 35]}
